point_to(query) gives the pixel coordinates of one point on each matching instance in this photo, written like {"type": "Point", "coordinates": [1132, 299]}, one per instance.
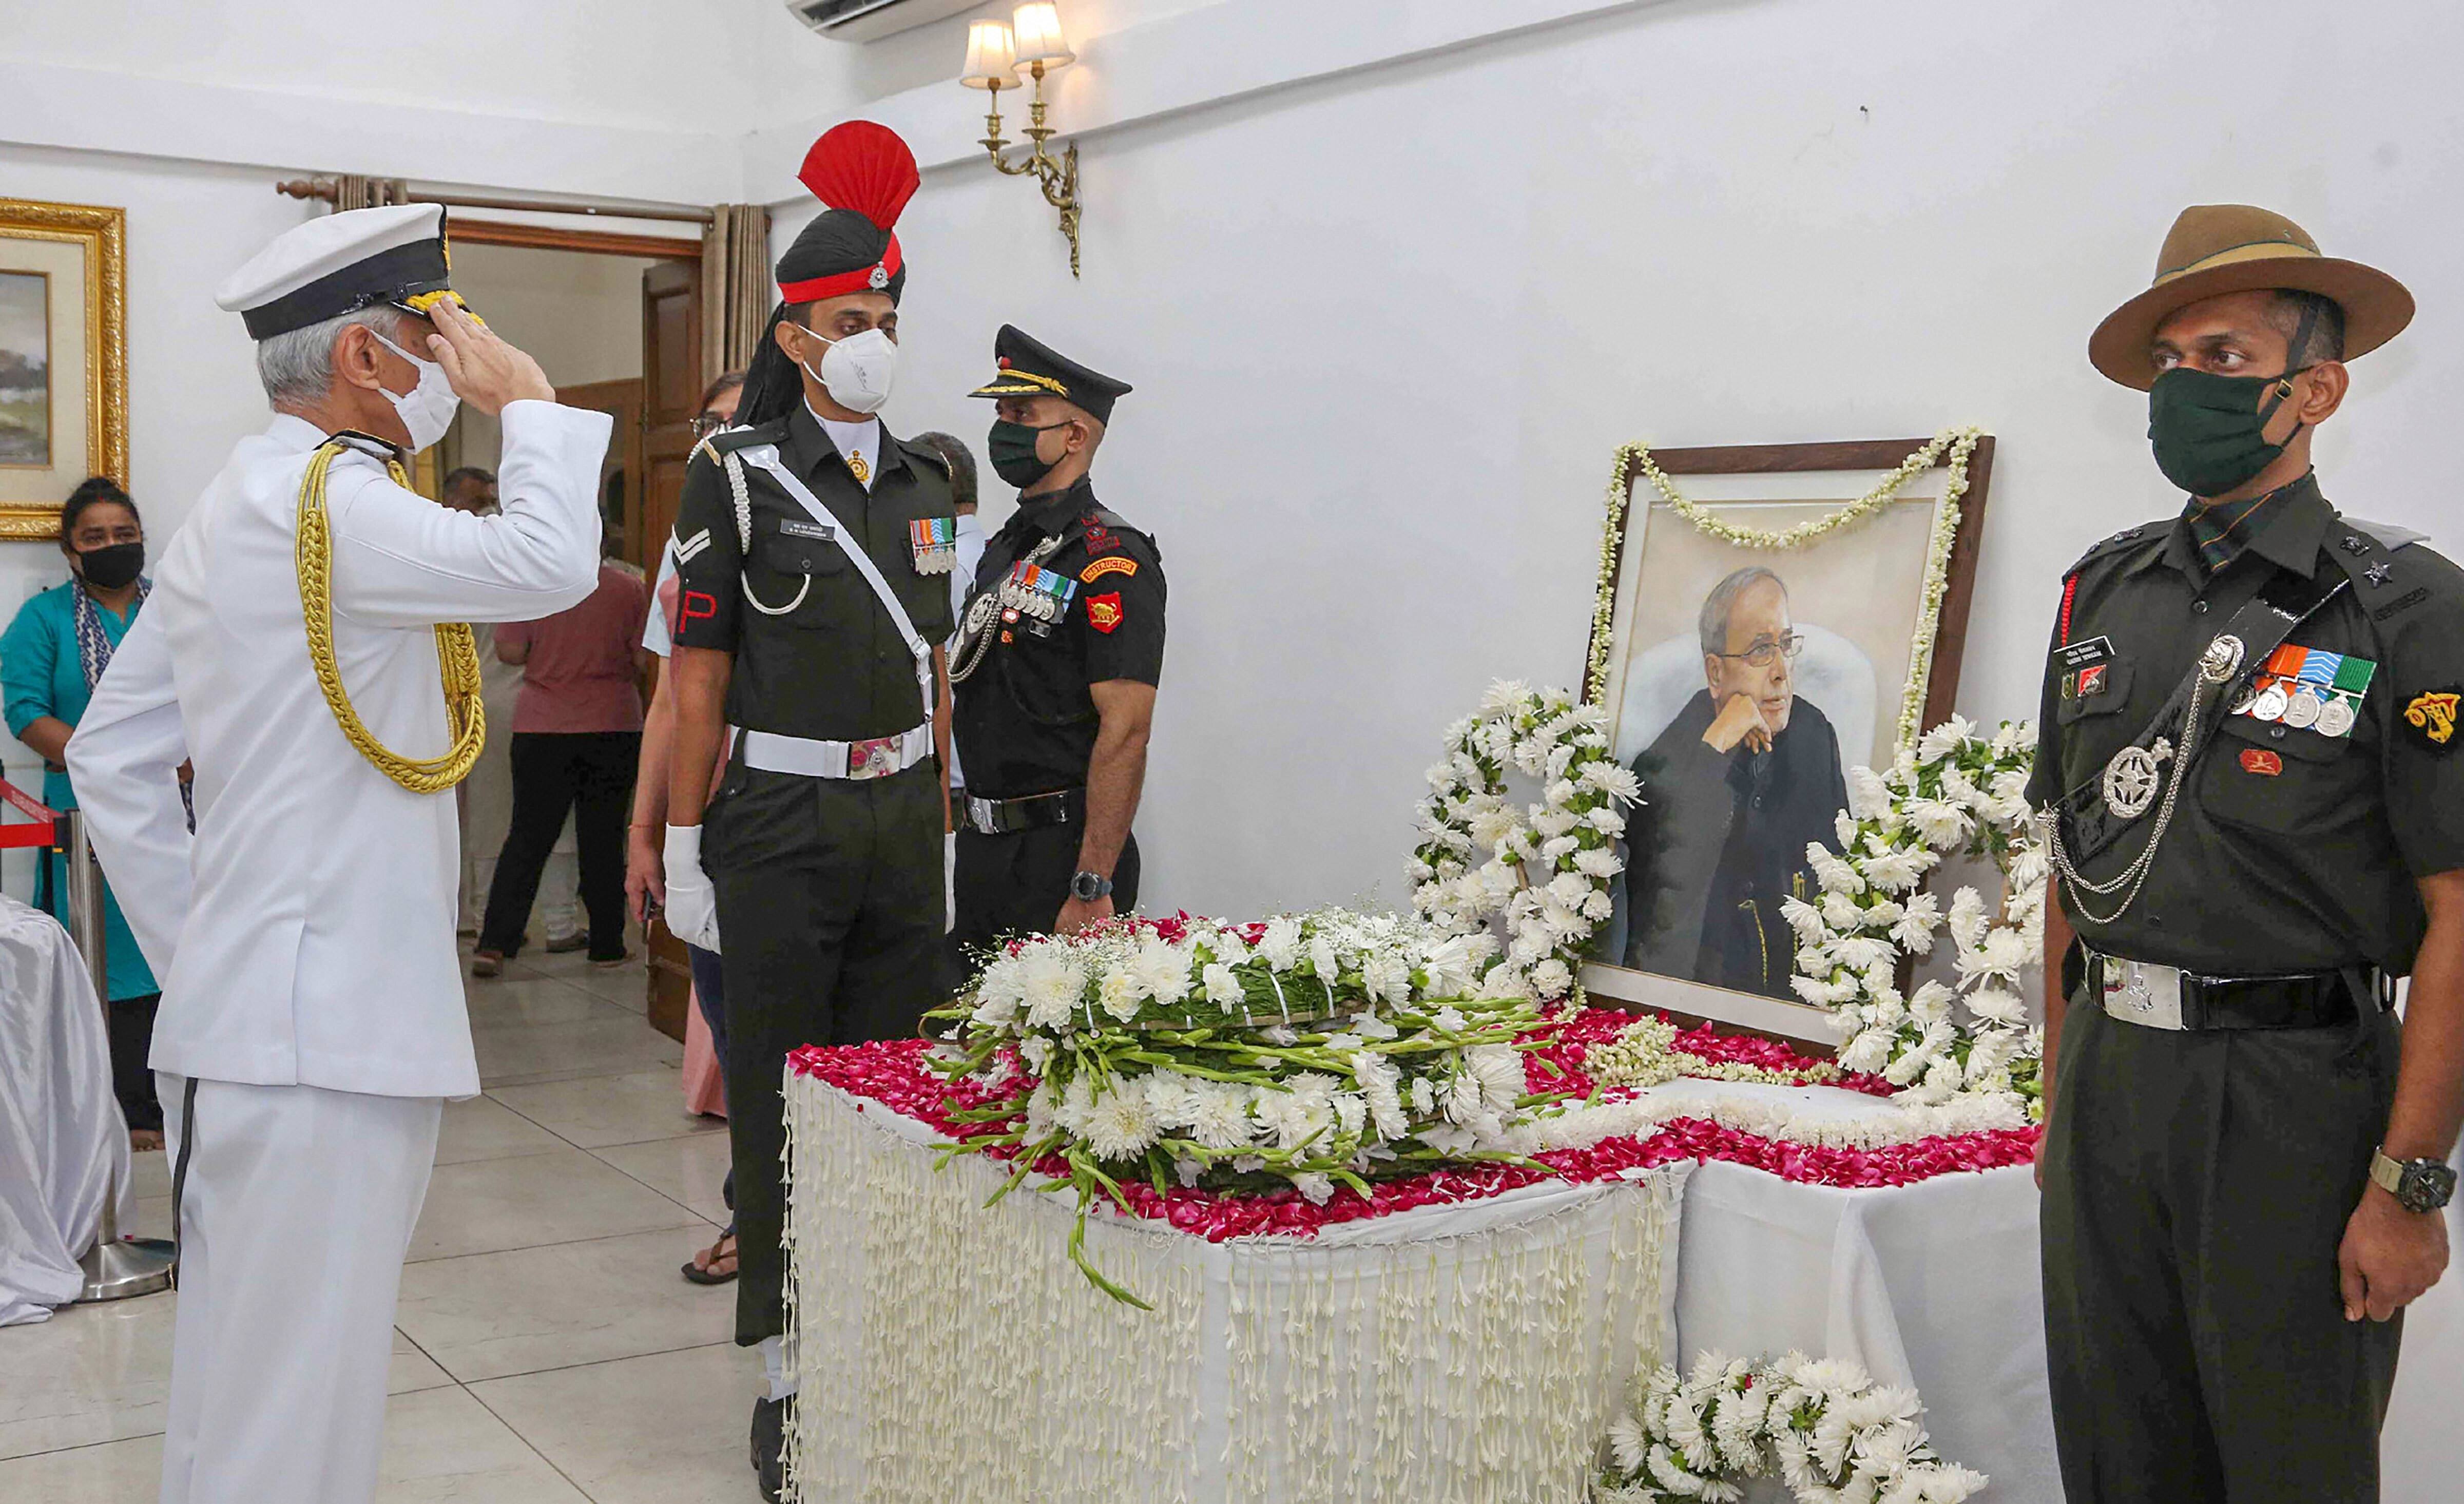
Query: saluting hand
{"type": "Point", "coordinates": [2389, 1256]}
{"type": "Point", "coordinates": [486, 372]}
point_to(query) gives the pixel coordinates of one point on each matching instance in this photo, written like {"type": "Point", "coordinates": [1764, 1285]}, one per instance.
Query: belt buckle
{"type": "Point", "coordinates": [980, 815]}
{"type": "Point", "coordinates": [876, 757]}
{"type": "Point", "coordinates": [2142, 992]}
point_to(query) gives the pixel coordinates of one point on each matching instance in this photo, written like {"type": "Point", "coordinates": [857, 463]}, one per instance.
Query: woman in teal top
{"type": "Point", "coordinates": [50, 658]}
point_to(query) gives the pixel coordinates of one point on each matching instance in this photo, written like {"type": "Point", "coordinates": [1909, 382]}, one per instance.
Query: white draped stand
{"type": "Point", "coordinates": [64, 1143]}
{"type": "Point", "coordinates": [951, 1353]}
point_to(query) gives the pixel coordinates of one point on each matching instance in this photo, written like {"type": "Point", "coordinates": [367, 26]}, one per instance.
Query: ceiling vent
{"type": "Point", "coordinates": [864, 20]}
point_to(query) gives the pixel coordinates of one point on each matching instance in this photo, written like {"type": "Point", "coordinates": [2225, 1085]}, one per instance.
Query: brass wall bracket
{"type": "Point", "coordinates": [1057, 175]}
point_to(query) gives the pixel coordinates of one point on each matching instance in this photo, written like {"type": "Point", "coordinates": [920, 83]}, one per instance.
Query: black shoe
{"type": "Point", "coordinates": [770, 1418]}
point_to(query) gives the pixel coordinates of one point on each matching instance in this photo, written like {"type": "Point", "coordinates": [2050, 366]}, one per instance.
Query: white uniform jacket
{"type": "Point", "coordinates": [306, 934]}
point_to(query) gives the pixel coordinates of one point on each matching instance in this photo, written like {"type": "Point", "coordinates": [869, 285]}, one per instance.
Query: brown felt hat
{"type": "Point", "coordinates": [2214, 249]}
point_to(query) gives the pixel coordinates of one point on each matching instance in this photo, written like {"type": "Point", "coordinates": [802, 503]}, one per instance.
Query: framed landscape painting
{"type": "Point", "coordinates": [1768, 617]}
{"type": "Point", "coordinates": [64, 358]}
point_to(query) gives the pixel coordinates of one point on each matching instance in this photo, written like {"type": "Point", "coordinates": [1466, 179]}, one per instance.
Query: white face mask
{"type": "Point", "coordinates": [859, 371]}
{"type": "Point", "coordinates": [429, 410]}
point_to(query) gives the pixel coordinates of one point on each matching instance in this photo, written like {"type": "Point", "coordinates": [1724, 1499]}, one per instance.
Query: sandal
{"type": "Point", "coordinates": [702, 1268]}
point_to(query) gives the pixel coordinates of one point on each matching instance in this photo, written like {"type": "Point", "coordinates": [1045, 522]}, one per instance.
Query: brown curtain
{"type": "Point", "coordinates": [736, 287]}
{"type": "Point", "coordinates": [354, 191]}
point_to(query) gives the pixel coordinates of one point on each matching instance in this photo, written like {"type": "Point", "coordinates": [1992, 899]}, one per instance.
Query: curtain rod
{"type": "Point", "coordinates": [321, 190]}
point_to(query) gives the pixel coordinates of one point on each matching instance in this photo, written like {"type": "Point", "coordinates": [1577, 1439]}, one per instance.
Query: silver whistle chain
{"type": "Point", "coordinates": [2216, 666]}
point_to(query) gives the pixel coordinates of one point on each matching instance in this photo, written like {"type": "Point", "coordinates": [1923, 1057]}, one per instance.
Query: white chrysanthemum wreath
{"type": "Point", "coordinates": [1822, 1426]}
{"type": "Point", "coordinates": [1544, 868]}
{"type": "Point", "coordinates": [1958, 791]}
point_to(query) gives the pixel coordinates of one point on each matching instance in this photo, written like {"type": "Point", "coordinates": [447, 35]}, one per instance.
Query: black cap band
{"type": "Point", "coordinates": [387, 276]}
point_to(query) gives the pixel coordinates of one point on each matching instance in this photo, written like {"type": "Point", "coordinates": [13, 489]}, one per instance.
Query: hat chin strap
{"type": "Point", "coordinates": [2293, 351]}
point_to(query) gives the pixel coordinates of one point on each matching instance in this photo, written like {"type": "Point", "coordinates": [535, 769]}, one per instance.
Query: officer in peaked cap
{"type": "Point", "coordinates": [813, 552]}
{"type": "Point", "coordinates": [2256, 817]}
{"type": "Point", "coordinates": [1056, 668]}
{"type": "Point", "coordinates": [303, 648]}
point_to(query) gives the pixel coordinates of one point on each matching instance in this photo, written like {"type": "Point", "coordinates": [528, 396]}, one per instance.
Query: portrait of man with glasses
{"type": "Point", "coordinates": [1747, 775]}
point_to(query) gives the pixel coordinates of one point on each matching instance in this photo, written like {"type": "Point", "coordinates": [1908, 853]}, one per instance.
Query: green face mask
{"type": "Point", "coordinates": [1011, 447]}
{"type": "Point", "coordinates": [2210, 432]}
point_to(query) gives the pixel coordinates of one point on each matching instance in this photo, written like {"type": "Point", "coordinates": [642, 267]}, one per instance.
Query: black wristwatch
{"type": "Point", "coordinates": [1086, 887]}
{"type": "Point", "coordinates": [2416, 1184]}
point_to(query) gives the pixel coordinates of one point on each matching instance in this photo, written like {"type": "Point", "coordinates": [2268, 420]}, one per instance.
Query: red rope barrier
{"type": "Point", "coordinates": [45, 832]}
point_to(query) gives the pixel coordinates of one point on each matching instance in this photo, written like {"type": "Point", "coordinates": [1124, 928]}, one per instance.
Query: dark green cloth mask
{"type": "Point", "coordinates": [2210, 432]}
{"type": "Point", "coordinates": [1011, 447]}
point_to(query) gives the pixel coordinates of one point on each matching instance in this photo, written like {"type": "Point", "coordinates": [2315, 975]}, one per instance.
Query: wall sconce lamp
{"type": "Point", "coordinates": [1031, 43]}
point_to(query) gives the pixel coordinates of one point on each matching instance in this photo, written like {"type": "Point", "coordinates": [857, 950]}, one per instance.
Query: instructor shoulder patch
{"type": "Point", "coordinates": [1110, 564]}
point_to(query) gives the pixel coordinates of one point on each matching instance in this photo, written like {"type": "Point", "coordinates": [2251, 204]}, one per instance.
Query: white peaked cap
{"type": "Point", "coordinates": [338, 264]}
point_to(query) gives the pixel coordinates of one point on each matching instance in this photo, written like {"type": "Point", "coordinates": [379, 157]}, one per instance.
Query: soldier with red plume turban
{"type": "Point", "coordinates": [813, 551]}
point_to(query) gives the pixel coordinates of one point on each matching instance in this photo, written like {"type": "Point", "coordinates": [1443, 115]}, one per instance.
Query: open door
{"type": "Point", "coordinates": [672, 383]}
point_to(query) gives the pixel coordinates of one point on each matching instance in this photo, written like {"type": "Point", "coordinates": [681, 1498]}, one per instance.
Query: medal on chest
{"type": "Point", "coordinates": [1034, 591]}
{"type": "Point", "coordinates": [933, 540]}
{"type": "Point", "coordinates": [2309, 688]}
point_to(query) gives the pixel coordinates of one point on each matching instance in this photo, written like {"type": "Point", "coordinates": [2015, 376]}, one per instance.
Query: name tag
{"type": "Point", "coordinates": [797, 527]}
{"type": "Point", "coordinates": [2079, 654]}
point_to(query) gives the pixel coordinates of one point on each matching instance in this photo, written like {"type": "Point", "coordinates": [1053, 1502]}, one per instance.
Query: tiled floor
{"type": "Point", "coordinates": [545, 1351]}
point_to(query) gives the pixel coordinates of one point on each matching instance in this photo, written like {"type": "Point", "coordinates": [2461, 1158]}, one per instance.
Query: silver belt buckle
{"type": "Point", "coordinates": [877, 758]}
{"type": "Point", "coordinates": [2142, 992]}
{"type": "Point", "coordinates": [980, 815]}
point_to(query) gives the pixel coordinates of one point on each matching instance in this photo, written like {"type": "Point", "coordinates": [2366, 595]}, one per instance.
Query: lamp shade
{"type": "Point", "coordinates": [1037, 28]}
{"type": "Point", "coordinates": [992, 57]}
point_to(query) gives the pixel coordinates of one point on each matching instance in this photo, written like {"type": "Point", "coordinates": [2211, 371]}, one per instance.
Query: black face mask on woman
{"type": "Point", "coordinates": [112, 566]}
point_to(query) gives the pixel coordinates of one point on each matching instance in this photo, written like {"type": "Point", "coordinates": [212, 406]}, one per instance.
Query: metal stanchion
{"type": "Point", "coordinates": [115, 1268]}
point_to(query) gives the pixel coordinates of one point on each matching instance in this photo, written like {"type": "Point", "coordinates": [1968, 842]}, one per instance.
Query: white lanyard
{"type": "Point", "coordinates": [766, 456]}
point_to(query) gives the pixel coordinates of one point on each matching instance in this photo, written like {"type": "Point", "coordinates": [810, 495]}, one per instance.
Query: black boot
{"type": "Point", "coordinates": [770, 1420]}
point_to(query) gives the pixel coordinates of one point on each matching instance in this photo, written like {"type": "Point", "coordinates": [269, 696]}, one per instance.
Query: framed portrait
{"type": "Point", "coordinates": [1769, 616]}
{"type": "Point", "coordinates": [64, 358]}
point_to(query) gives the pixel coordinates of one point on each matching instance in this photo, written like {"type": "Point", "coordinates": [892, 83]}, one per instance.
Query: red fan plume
{"type": "Point", "coordinates": [862, 167]}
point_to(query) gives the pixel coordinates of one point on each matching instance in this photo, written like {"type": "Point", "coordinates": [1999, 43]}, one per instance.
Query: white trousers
{"type": "Point", "coordinates": [294, 1214]}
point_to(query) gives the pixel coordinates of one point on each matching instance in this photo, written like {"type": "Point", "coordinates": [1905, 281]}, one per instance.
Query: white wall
{"type": "Point", "coordinates": [192, 388]}
{"type": "Point", "coordinates": [1388, 328]}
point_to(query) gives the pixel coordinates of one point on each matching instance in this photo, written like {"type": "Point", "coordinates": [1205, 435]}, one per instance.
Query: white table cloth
{"type": "Point", "coordinates": [1933, 1284]}
{"type": "Point", "coordinates": [951, 1353]}
{"type": "Point", "coordinates": [1936, 1285]}
{"type": "Point", "coordinates": [62, 1141]}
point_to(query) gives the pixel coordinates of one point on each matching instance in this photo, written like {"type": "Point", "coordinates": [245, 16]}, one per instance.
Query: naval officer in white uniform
{"type": "Point", "coordinates": [313, 1024]}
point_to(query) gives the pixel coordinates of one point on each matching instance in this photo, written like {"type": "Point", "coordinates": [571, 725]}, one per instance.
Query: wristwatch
{"type": "Point", "coordinates": [2416, 1184]}
{"type": "Point", "coordinates": [1086, 887]}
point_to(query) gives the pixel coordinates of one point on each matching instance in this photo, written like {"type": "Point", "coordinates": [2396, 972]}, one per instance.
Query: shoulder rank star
{"type": "Point", "coordinates": [934, 542]}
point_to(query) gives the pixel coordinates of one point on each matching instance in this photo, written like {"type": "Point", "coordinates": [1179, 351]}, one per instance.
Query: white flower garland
{"type": "Point", "coordinates": [1543, 869]}
{"type": "Point", "coordinates": [1580, 1126]}
{"type": "Point", "coordinates": [1955, 791]}
{"type": "Point", "coordinates": [1644, 1054]}
{"type": "Point", "coordinates": [1822, 1426]}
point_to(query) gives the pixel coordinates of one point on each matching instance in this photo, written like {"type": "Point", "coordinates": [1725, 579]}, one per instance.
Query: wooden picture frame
{"type": "Point", "coordinates": [74, 422]}
{"type": "Point", "coordinates": [1885, 593]}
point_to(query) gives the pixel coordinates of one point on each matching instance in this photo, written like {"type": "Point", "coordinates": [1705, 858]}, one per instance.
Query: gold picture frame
{"type": "Point", "coordinates": [79, 253]}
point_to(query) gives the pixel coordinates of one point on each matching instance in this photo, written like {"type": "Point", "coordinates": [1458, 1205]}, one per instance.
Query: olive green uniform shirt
{"type": "Point", "coordinates": [2290, 850]}
{"type": "Point", "coordinates": [816, 654]}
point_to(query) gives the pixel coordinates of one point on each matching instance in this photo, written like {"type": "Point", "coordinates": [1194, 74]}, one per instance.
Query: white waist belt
{"type": "Point", "coordinates": [877, 758]}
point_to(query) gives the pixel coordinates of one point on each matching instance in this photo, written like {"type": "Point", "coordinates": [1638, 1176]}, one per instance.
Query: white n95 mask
{"type": "Point", "coordinates": [859, 371]}
{"type": "Point", "coordinates": [427, 409]}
